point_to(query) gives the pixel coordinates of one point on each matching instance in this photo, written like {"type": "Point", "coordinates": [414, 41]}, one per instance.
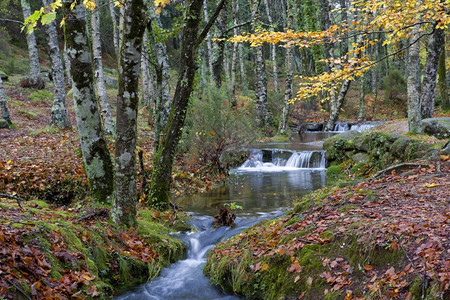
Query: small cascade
{"type": "Point", "coordinates": [340, 127]}
{"type": "Point", "coordinates": [363, 126]}
{"type": "Point", "coordinates": [282, 160]}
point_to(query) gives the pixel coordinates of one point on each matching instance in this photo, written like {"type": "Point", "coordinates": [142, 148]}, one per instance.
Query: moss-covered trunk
{"type": "Point", "coordinates": [3, 104]}
{"type": "Point", "coordinates": [124, 209]}
{"type": "Point", "coordinates": [96, 157]}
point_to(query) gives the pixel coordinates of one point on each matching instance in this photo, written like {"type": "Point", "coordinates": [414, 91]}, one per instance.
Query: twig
{"type": "Point", "coordinates": [19, 289]}
{"type": "Point", "coordinates": [98, 212]}
{"type": "Point", "coordinates": [18, 199]}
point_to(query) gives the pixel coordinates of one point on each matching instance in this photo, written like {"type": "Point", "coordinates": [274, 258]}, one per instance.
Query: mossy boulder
{"type": "Point", "coordinates": [4, 76]}
{"type": "Point", "coordinates": [437, 127]}
{"type": "Point", "coordinates": [337, 145]}
{"type": "Point", "coordinates": [3, 123]}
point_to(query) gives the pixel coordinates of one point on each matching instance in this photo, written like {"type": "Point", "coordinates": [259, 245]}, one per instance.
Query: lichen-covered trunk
{"type": "Point", "coordinates": [35, 68]}
{"type": "Point", "coordinates": [445, 101]}
{"type": "Point", "coordinates": [209, 51]}
{"type": "Point", "coordinates": [59, 111]}
{"type": "Point", "coordinates": [289, 71]}
{"type": "Point", "coordinates": [115, 29]}
{"type": "Point", "coordinates": [96, 157]}
{"type": "Point", "coordinates": [146, 77]}
{"type": "Point", "coordinates": [105, 108]}
{"type": "Point", "coordinates": [413, 69]}
{"type": "Point", "coordinates": [163, 101]}
{"type": "Point", "coordinates": [4, 104]}
{"type": "Point", "coordinates": [262, 115]}
{"type": "Point", "coordinates": [234, 10]}
{"type": "Point", "coordinates": [362, 102]}
{"type": "Point", "coordinates": [67, 66]}
{"type": "Point", "coordinates": [240, 51]}
{"type": "Point", "coordinates": [125, 199]}
{"type": "Point", "coordinates": [219, 59]}
{"type": "Point", "coordinates": [273, 49]}
{"type": "Point", "coordinates": [434, 49]}
{"type": "Point", "coordinates": [159, 195]}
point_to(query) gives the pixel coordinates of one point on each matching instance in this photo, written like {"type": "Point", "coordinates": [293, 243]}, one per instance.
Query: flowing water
{"type": "Point", "coordinates": [264, 185]}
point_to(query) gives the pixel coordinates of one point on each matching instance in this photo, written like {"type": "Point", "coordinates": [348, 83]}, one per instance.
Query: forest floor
{"type": "Point", "coordinates": [38, 162]}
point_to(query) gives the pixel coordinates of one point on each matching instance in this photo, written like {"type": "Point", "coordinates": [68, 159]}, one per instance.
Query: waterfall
{"type": "Point", "coordinates": [340, 127]}
{"type": "Point", "coordinates": [362, 127]}
{"type": "Point", "coordinates": [282, 160]}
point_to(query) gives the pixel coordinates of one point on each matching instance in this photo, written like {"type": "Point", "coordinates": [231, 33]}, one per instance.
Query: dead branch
{"type": "Point", "coordinates": [98, 212]}
{"type": "Point", "coordinates": [13, 197]}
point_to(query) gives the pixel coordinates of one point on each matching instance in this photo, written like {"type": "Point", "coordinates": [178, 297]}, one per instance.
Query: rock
{"type": "Point", "coordinates": [336, 145]}
{"type": "Point", "coordinates": [360, 158]}
{"type": "Point", "coordinates": [3, 123]}
{"type": "Point", "coordinates": [437, 127]}
{"type": "Point", "coordinates": [3, 76]}
{"type": "Point", "coordinates": [112, 82]}
{"type": "Point", "coordinates": [445, 150]}
{"type": "Point", "coordinates": [311, 127]}
{"type": "Point", "coordinates": [399, 146]}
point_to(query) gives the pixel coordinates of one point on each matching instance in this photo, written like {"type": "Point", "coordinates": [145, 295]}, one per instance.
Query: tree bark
{"type": "Point", "coordinates": [67, 66]}
{"type": "Point", "coordinates": [4, 104]}
{"type": "Point", "coordinates": [434, 48]}
{"type": "Point", "coordinates": [289, 72]}
{"type": "Point", "coordinates": [208, 42]}
{"type": "Point", "coordinates": [219, 59]}
{"type": "Point", "coordinates": [413, 69]}
{"type": "Point", "coordinates": [105, 108]}
{"type": "Point", "coordinates": [445, 102]}
{"type": "Point", "coordinates": [362, 96]}
{"type": "Point", "coordinates": [115, 29]}
{"type": "Point", "coordinates": [234, 11]}
{"type": "Point", "coordinates": [96, 157]}
{"type": "Point", "coordinates": [262, 115]}
{"type": "Point", "coordinates": [59, 111]}
{"type": "Point", "coordinates": [159, 194]}
{"type": "Point", "coordinates": [124, 208]}
{"type": "Point", "coordinates": [273, 51]}
{"type": "Point", "coordinates": [35, 68]}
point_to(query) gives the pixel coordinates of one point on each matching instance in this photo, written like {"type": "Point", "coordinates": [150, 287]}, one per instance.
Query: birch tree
{"type": "Point", "coordinates": [35, 79]}
{"type": "Point", "coordinates": [59, 110]}
{"type": "Point", "coordinates": [96, 157]}
{"type": "Point", "coordinates": [413, 69]}
{"type": "Point", "coordinates": [273, 50]}
{"type": "Point", "coordinates": [105, 108]}
{"type": "Point", "coordinates": [125, 199]}
{"type": "Point", "coordinates": [115, 29]}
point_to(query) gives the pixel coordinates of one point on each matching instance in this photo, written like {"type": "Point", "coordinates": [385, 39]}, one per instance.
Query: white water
{"type": "Point", "coordinates": [362, 127]}
{"type": "Point", "coordinates": [297, 160]}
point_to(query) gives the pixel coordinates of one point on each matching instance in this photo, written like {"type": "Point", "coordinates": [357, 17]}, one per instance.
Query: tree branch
{"type": "Point", "coordinates": [208, 26]}
{"type": "Point", "coordinates": [237, 26]}
{"type": "Point", "coordinates": [10, 20]}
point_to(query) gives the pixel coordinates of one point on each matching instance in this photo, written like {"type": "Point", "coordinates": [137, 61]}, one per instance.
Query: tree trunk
{"type": "Point", "coordinates": [115, 29]}
{"type": "Point", "coordinates": [362, 96]}
{"type": "Point", "coordinates": [4, 104]}
{"type": "Point", "coordinates": [274, 51]}
{"type": "Point", "coordinates": [413, 69]}
{"type": "Point", "coordinates": [163, 99]}
{"type": "Point", "coordinates": [262, 115]}
{"type": "Point", "coordinates": [67, 66]}
{"type": "Point", "coordinates": [434, 48]}
{"type": "Point", "coordinates": [59, 111]}
{"type": "Point", "coordinates": [97, 160]}
{"type": "Point", "coordinates": [234, 11]}
{"type": "Point", "coordinates": [35, 68]}
{"type": "Point", "coordinates": [208, 42]}
{"type": "Point", "coordinates": [445, 103]}
{"type": "Point", "coordinates": [159, 194]}
{"type": "Point", "coordinates": [344, 43]}
{"type": "Point", "coordinates": [289, 72]}
{"type": "Point", "coordinates": [219, 60]}
{"type": "Point", "coordinates": [105, 108]}
{"type": "Point", "coordinates": [145, 68]}
{"type": "Point", "coordinates": [124, 208]}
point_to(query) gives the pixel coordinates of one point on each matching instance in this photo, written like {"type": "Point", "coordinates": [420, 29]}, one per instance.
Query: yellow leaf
{"type": "Point", "coordinates": [9, 162]}
{"type": "Point", "coordinates": [73, 5]}
{"type": "Point", "coordinates": [431, 185]}
{"type": "Point", "coordinates": [264, 267]}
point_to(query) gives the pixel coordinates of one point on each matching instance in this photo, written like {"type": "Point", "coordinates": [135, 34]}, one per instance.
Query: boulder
{"type": "Point", "coordinates": [3, 123]}
{"type": "Point", "coordinates": [311, 127]}
{"type": "Point", "coordinates": [437, 127]}
{"type": "Point", "coordinates": [361, 158]}
{"type": "Point", "coordinates": [112, 82]}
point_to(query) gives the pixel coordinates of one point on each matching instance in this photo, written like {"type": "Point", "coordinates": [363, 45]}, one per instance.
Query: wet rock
{"type": "Point", "coordinates": [4, 76]}
{"type": "Point", "coordinates": [224, 218]}
{"type": "Point", "coordinates": [437, 127]}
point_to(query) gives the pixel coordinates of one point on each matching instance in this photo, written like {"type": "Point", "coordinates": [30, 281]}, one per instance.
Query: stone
{"type": "Point", "coordinates": [437, 127]}
{"type": "Point", "coordinates": [3, 123]}
{"type": "Point", "coordinates": [361, 158]}
{"type": "Point", "coordinates": [311, 127]}
{"type": "Point", "coordinates": [112, 82]}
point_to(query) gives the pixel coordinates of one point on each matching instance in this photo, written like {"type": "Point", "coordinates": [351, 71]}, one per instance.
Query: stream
{"type": "Point", "coordinates": [264, 186]}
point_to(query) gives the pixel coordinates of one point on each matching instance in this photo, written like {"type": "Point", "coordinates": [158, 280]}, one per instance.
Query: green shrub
{"type": "Point", "coordinates": [394, 85]}
{"type": "Point", "coordinates": [213, 127]}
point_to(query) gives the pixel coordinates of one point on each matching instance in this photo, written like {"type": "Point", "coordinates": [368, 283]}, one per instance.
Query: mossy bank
{"type": "Point", "coordinates": [80, 253]}
{"type": "Point", "coordinates": [377, 239]}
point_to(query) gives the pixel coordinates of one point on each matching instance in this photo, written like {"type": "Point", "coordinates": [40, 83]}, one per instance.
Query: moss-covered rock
{"type": "Point", "coordinates": [437, 127]}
